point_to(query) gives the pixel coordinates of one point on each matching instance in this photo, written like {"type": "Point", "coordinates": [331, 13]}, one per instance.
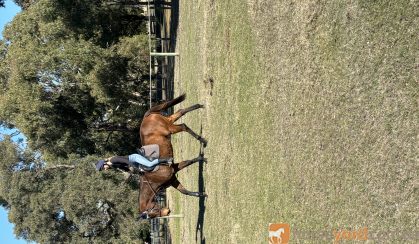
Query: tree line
{"type": "Point", "coordinates": [73, 80]}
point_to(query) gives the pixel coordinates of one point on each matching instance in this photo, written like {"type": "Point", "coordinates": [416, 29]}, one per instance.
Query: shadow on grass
{"type": "Point", "coordinates": [199, 231]}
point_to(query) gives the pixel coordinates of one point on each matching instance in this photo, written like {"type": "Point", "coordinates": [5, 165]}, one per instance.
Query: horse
{"type": "Point", "coordinates": [276, 234]}
{"type": "Point", "coordinates": [157, 128]}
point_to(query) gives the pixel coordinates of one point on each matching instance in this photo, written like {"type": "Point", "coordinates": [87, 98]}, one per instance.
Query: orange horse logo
{"type": "Point", "coordinates": [279, 233]}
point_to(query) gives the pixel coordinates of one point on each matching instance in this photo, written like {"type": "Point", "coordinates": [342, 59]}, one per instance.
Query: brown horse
{"type": "Point", "coordinates": [157, 129]}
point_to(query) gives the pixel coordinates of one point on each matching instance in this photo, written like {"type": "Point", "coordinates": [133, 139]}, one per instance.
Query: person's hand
{"type": "Point", "coordinates": [108, 164]}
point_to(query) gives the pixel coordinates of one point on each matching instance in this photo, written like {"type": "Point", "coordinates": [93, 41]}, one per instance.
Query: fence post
{"type": "Point", "coordinates": [164, 54]}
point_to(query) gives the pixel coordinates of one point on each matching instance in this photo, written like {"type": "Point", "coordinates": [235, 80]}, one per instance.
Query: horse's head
{"type": "Point", "coordinates": [148, 205]}
{"type": "Point", "coordinates": [153, 210]}
{"type": "Point", "coordinates": [158, 212]}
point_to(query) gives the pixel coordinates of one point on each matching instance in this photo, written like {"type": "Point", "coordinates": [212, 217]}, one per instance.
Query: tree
{"type": "Point", "coordinates": [96, 20]}
{"type": "Point", "coordinates": [102, 22]}
{"type": "Point", "coordinates": [67, 202]}
{"type": "Point", "coordinates": [66, 92]}
{"type": "Point", "coordinates": [72, 81]}
{"type": "Point", "coordinates": [24, 4]}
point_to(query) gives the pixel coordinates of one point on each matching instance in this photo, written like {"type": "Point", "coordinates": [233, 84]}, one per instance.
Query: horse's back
{"type": "Point", "coordinates": [154, 123]}
{"type": "Point", "coordinates": [155, 130]}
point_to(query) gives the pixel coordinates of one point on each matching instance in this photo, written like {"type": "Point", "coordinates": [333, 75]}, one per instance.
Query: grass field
{"type": "Point", "coordinates": [311, 117]}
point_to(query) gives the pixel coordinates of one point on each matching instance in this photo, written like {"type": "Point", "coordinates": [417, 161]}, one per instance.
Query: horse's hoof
{"type": "Point", "coordinates": [202, 159]}
{"type": "Point", "coordinates": [201, 105]}
{"type": "Point", "coordinates": [204, 195]}
{"type": "Point", "coordinates": [204, 142]}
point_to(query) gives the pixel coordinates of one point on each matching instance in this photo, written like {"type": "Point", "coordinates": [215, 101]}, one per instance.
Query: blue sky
{"type": "Point", "coordinates": [7, 236]}
{"type": "Point", "coordinates": [7, 14]}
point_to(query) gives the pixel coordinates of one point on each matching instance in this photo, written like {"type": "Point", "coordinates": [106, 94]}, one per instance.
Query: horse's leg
{"type": "Point", "coordinates": [182, 127]}
{"type": "Point", "coordinates": [186, 163]}
{"type": "Point", "coordinates": [176, 184]}
{"type": "Point", "coordinates": [182, 112]}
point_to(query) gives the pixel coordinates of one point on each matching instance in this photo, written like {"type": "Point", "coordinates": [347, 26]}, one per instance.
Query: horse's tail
{"type": "Point", "coordinates": [165, 105]}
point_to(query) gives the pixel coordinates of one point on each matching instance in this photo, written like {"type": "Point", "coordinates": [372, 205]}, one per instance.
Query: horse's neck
{"type": "Point", "coordinates": [147, 183]}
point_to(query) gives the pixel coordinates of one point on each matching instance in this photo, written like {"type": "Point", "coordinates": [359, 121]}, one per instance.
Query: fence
{"type": "Point", "coordinates": [162, 55]}
{"type": "Point", "coordinates": [161, 26]}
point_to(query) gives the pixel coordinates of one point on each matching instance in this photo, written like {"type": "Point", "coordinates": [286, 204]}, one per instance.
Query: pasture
{"type": "Point", "coordinates": [311, 118]}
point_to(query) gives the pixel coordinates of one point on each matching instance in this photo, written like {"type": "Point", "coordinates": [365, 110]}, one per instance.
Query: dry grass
{"type": "Point", "coordinates": [312, 119]}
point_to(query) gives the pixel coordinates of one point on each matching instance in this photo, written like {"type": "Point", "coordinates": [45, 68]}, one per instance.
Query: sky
{"type": "Point", "coordinates": [7, 14]}
{"type": "Point", "coordinates": [7, 236]}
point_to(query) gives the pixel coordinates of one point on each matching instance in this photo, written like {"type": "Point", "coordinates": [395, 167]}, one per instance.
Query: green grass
{"type": "Point", "coordinates": [312, 119]}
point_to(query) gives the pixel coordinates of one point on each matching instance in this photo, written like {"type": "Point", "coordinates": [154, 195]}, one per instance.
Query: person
{"type": "Point", "coordinates": [126, 162]}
